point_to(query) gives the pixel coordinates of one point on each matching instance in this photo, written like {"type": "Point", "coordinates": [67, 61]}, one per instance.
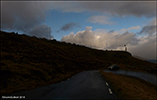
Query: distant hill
{"type": "Point", "coordinates": [29, 62]}
{"type": "Point", "coordinates": [139, 57]}
{"type": "Point", "coordinates": [153, 61]}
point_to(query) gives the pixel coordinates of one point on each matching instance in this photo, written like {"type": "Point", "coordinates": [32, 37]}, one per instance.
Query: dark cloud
{"type": "Point", "coordinates": [69, 26]}
{"type": "Point", "coordinates": [111, 31]}
{"type": "Point", "coordinates": [149, 29]}
{"type": "Point", "coordinates": [123, 8]}
{"type": "Point", "coordinates": [42, 31]}
{"type": "Point", "coordinates": [22, 15]}
{"type": "Point", "coordinates": [26, 17]}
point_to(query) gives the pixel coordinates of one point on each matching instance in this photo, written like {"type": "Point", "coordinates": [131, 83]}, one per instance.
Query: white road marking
{"type": "Point", "coordinates": [106, 83]}
{"type": "Point", "coordinates": [110, 91]}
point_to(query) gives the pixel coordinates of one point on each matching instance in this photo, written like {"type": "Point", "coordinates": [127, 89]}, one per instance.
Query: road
{"type": "Point", "coordinates": [145, 76]}
{"type": "Point", "coordinates": [84, 85]}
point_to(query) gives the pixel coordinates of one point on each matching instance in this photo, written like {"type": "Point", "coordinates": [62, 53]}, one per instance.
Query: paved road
{"type": "Point", "coordinates": [85, 85]}
{"type": "Point", "coordinates": [145, 76]}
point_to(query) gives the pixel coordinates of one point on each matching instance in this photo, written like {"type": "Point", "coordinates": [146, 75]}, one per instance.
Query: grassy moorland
{"type": "Point", "coordinates": [130, 88]}
{"type": "Point", "coordinates": [30, 62]}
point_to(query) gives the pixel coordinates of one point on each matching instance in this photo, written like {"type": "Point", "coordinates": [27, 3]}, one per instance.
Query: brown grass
{"type": "Point", "coordinates": [29, 83]}
{"type": "Point", "coordinates": [130, 88]}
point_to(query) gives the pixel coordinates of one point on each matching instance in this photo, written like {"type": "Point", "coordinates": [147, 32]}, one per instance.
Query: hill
{"type": "Point", "coordinates": [29, 62]}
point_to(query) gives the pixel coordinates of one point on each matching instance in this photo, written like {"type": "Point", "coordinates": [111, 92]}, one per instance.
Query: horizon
{"type": "Point", "coordinates": [97, 24]}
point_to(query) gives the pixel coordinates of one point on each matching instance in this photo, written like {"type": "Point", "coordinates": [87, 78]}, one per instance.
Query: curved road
{"type": "Point", "coordinates": [84, 85]}
{"type": "Point", "coordinates": [145, 76]}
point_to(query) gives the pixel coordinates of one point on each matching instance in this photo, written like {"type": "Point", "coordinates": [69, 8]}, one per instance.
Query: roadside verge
{"type": "Point", "coordinates": [127, 87]}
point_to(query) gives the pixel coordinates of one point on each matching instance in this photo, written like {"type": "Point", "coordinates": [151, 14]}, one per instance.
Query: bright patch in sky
{"type": "Point", "coordinates": [96, 24]}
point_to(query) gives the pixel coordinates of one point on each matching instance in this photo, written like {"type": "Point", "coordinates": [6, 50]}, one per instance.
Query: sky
{"type": "Point", "coordinates": [105, 25]}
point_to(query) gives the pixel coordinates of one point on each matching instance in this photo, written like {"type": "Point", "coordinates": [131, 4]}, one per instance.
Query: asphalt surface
{"type": "Point", "coordinates": [84, 85]}
{"type": "Point", "coordinates": [145, 76]}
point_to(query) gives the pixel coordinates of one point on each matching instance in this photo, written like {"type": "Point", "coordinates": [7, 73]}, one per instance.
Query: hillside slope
{"type": "Point", "coordinates": [29, 62]}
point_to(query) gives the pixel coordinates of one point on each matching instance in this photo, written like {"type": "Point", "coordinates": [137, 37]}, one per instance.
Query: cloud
{"type": "Point", "coordinates": [153, 22]}
{"type": "Point", "coordinates": [42, 31]}
{"type": "Point", "coordinates": [22, 15]}
{"type": "Point", "coordinates": [97, 39]}
{"type": "Point", "coordinates": [146, 47]}
{"type": "Point", "coordinates": [82, 37]}
{"type": "Point", "coordinates": [26, 17]}
{"type": "Point", "coordinates": [141, 46]}
{"type": "Point", "coordinates": [131, 28]}
{"type": "Point", "coordinates": [69, 26]}
{"type": "Point", "coordinates": [111, 31]}
{"type": "Point", "coordinates": [149, 29]}
{"type": "Point", "coordinates": [115, 8]}
{"type": "Point", "coordinates": [100, 20]}
{"type": "Point", "coordinates": [136, 8]}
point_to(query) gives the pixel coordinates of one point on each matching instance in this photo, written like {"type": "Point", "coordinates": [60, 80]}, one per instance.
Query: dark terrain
{"type": "Point", "coordinates": [30, 62]}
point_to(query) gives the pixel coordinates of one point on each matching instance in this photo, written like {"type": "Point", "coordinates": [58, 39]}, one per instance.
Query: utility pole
{"type": "Point", "coordinates": [125, 48]}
